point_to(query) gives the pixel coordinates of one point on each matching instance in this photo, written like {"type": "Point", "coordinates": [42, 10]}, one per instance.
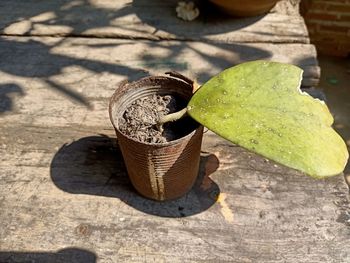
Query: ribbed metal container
{"type": "Point", "coordinates": [157, 171]}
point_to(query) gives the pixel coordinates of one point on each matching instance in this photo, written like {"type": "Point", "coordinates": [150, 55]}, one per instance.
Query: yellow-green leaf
{"type": "Point", "coordinates": [259, 106]}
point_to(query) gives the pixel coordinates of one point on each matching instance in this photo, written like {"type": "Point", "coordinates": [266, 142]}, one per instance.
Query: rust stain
{"type": "Point", "coordinates": [225, 209]}
{"type": "Point", "coordinates": [152, 176]}
{"type": "Point", "coordinates": [83, 230]}
{"type": "Point", "coordinates": [206, 183]}
{"type": "Point", "coordinates": [211, 166]}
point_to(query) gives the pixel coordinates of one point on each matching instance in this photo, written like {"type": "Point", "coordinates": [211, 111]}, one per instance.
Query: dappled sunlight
{"type": "Point", "coordinates": [52, 57]}
{"type": "Point", "coordinates": [136, 19]}
{"type": "Point", "coordinates": [63, 178]}
{"type": "Point", "coordinates": [100, 4]}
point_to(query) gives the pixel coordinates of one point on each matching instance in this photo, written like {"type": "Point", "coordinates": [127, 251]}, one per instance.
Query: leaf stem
{"type": "Point", "coordinates": [170, 118]}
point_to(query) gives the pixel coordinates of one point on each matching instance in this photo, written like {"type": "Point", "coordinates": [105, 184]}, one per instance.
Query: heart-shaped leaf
{"type": "Point", "coordinates": [259, 106]}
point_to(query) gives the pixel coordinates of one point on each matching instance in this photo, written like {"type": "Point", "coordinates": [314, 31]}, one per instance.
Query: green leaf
{"type": "Point", "coordinates": [259, 106]}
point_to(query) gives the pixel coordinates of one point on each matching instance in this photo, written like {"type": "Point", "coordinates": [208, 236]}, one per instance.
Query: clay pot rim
{"type": "Point", "coordinates": [160, 145]}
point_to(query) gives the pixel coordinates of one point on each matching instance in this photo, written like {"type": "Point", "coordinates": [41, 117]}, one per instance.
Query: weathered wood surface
{"type": "Point", "coordinates": [156, 20]}
{"type": "Point", "coordinates": [146, 19]}
{"type": "Point", "coordinates": [64, 193]}
{"type": "Point", "coordinates": [86, 70]}
{"type": "Point", "coordinates": [67, 187]}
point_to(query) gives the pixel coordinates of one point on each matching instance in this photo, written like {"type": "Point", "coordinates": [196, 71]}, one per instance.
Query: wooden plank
{"type": "Point", "coordinates": [57, 81]}
{"type": "Point", "coordinates": [143, 19]}
{"type": "Point", "coordinates": [64, 192]}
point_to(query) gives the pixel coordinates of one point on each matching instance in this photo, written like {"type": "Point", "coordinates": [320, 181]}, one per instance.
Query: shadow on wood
{"type": "Point", "coordinates": [211, 21]}
{"type": "Point", "coordinates": [6, 96]}
{"type": "Point", "coordinates": [132, 19]}
{"type": "Point", "coordinates": [94, 166]}
{"type": "Point", "coordinates": [15, 52]}
{"type": "Point", "coordinates": [67, 255]}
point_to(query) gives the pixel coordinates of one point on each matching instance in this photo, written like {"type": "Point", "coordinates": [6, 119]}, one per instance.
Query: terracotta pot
{"type": "Point", "coordinates": [158, 171]}
{"type": "Point", "coordinates": [242, 8]}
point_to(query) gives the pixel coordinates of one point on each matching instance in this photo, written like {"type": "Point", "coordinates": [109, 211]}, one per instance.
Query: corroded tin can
{"type": "Point", "coordinates": [159, 171]}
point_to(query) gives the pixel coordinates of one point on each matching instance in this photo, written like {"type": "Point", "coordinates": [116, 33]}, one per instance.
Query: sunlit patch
{"type": "Point", "coordinates": [20, 28]}
{"type": "Point", "coordinates": [43, 17]}
{"type": "Point", "coordinates": [225, 209]}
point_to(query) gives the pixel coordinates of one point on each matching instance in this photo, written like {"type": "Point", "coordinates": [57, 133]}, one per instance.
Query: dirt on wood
{"type": "Point", "coordinates": [139, 120]}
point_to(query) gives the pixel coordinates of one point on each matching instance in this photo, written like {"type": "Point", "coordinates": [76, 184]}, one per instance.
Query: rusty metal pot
{"type": "Point", "coordinates": [160, 171]}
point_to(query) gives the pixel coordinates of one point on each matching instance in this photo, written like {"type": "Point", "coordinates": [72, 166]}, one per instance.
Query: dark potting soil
{"type": "Point", "coordinates": [140, 118]}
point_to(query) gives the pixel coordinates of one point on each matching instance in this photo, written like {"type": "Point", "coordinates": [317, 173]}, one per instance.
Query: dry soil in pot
{"type": "Point", "coordinates": [140, 118]}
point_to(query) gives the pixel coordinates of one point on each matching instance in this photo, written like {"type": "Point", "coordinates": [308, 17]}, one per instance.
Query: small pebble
{"type": "Point", "coordinates": [187, 11]}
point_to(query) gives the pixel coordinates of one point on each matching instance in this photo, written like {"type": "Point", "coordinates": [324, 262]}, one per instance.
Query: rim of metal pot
{"type": "Point", "coordinates": [125, 82]}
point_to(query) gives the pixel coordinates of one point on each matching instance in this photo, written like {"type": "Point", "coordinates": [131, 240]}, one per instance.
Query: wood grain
{"type": "Point", "coordinates": [64, 188]}
{"type": "Point", "coordinates": [67, 187]}
{"type": "Point", "coordinates": [64, 192]}
{"type": "Point", "coordinates": [41, 72]}
{"type": "Point", "coordinates": [143, 19]}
